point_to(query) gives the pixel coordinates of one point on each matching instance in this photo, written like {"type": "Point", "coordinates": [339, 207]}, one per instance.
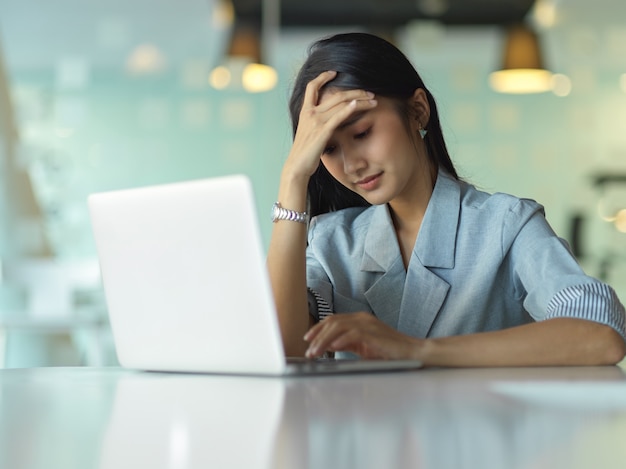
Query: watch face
{"type": "Point", "coordinates": [275, 208]}
{"type": "Point", "coordinates": [280, 213]}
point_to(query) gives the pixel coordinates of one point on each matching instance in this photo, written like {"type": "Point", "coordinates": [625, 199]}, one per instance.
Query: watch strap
{"type": "Point", "coordinates": [281, 213]}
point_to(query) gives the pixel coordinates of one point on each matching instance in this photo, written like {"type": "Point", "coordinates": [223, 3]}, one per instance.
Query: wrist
{"type": "Point", "coordinates": [292, 192]}
{"type": "Point", "coordinates": [290, 177]}
{"type": "Point", "coordinates": [422, 350]}
{"type": "Point", "coordinates": [281, 213]}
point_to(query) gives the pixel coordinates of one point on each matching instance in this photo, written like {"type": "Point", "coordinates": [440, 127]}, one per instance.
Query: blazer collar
{"type": "Point", "coordinates": [381, 248]}
{"type": "Point", "coordinates": [435, 245]}
{"type": "Point", "coordinates": [436, 241]}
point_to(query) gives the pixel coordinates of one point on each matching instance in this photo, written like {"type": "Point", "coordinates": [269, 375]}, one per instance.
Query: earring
{"type": "Point", "coordinates": [422, 131]}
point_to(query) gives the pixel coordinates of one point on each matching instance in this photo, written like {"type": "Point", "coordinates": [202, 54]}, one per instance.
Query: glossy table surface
{"type": "Point", "coordinates": [499, 418]}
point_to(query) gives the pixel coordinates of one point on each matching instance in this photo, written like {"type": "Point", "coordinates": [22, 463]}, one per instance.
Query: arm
{"type": "Point", "coordinates": [557, 342]}
{"type": "Point", "coordinates": [287, 269]}
{"type": "Point", "coordinates": [286, 255]}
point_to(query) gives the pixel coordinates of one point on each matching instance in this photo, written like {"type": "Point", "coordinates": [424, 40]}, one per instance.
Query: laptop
{"type": "Point", "coordinates": [186, 285]}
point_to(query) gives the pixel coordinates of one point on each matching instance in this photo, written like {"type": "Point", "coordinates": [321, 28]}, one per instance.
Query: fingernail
{"type": "Point", "coordinates": [373, 102]}
{"type": "Point", "coordinates": [306, 336]}
{"type": "Point", "coordinates": [369, 94]}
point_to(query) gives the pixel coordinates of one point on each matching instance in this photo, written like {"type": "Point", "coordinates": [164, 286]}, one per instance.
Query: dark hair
{"type": "Point", "coordinates": [368, 62]}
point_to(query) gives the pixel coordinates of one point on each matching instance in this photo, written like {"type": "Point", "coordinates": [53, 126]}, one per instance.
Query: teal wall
{"type": "Point", "coordinates": [131, 130]}
{"type": "Point", "coordinates": [86, 125]}
{"type": "Point", "coordinates": [541, 146]}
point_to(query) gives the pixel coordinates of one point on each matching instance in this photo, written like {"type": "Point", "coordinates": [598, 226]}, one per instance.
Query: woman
{"type": "Point", "coordinates": [403, 259]}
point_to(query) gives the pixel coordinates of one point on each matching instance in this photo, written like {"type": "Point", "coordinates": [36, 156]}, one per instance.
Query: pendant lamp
{"type": "Point", "coordinates": [243, 66]}
{"type": "Point", "coordinates": [523, 68]}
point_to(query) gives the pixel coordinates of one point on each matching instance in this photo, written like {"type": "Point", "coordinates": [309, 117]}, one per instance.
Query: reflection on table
{"type": "Point", "coordinates": [504, 418]}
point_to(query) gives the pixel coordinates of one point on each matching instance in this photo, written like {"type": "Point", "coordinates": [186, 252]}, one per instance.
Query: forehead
{"type": "Point", "coordinates": [383, 102]}
{"type": "Point", "coordinates": [385, 113]}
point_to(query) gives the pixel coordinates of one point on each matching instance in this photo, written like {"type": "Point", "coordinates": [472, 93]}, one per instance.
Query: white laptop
{"type": "Point", "coordinates": [186, 284]}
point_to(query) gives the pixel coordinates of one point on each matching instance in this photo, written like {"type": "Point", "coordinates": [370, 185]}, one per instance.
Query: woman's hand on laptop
{"type": "Point", "coordinates": [363, 334]}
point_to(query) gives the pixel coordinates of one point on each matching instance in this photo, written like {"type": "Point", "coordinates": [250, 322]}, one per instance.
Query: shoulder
{"type": "Point", "coordinates": [336, 237]}
{"type": "Point", "coordinates": [498, 207]}
{"type": "Point", "coordinates": [480, 216]}
{"type": "Point", "coordinates": [348, 220]}
{"type": "Point", "coordinates": [477, 199]}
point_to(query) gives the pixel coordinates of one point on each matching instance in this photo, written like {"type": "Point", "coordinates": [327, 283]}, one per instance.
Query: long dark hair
{"type": "Point", "coordinates": [368, 62]}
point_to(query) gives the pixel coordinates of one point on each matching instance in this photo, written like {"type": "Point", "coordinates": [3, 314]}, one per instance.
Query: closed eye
{"type": "Point", "coordinates": [329, 150]}
{"type": "Point", "coordinates": [362, 135]}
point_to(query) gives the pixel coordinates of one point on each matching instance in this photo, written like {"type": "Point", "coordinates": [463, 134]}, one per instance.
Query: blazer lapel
{"type": "Point", "coordinates": [425, 292]}
{"type": "Point", "coordinates": [382, 254]}
{"type": "Point", "coordinates": [423, 297]}
{"type": "Point", "coordinates": [410, 301]}
{"type": "Point", "coordinates": [436, 243]}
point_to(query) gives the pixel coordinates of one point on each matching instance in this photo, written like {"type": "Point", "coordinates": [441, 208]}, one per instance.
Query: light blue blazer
{"type": "Point", "coordinates": [481, 262]}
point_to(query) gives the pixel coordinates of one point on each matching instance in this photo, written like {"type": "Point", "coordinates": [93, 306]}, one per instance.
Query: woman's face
{"type": "Point", "coordinates": [374, 154]}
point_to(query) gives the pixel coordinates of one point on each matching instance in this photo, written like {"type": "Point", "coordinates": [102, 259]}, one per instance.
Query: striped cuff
{"type": "Point", "coordinates": [594, 301]}
{"type": "Point", "coordinates": [321, 307]}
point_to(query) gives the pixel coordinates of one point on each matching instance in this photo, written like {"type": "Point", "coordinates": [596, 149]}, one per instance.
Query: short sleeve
{"type": "Point", "coordinates": [595, 301]}
{"type": "Point", "coordinates": [319, 308]}
{"type": "Point", "coordinates": [549, 279]}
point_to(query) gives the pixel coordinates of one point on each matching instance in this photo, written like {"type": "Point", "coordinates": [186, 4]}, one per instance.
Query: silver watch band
{"type": "Point", "coordinates": [281, 213]}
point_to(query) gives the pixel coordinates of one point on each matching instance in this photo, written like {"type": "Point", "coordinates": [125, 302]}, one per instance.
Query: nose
{"type": "Point", "coordinates": [353, 161]}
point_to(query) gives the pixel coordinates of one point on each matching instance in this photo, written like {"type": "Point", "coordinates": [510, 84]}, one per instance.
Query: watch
{"type": "Point", "coordinates": [280, 213]}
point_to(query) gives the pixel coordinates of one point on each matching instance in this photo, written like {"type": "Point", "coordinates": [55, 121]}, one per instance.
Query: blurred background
{"type": "Point", "coordinates": [108, 94]}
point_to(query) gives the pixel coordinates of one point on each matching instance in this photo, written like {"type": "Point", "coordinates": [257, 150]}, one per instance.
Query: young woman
{"type": "Point", "coordinates": [403, 259]}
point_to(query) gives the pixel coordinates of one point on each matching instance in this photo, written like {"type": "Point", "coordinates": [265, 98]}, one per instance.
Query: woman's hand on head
{"type": "Point", "coordinates": [319, 119]}
{"type": "Point", "coordinates": [363, 334]}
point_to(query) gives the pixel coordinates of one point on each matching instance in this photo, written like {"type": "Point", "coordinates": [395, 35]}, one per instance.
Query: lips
{"type": "Point", "coordinates": [369, 182]}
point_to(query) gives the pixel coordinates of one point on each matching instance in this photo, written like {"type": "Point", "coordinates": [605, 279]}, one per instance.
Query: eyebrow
{"type": "Point", "coordinates": [351, 120]}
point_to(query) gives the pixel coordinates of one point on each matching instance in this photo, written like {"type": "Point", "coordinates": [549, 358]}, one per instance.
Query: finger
{"type": "Point", "coordinates": [315, 335]}
{"type": "Point", "coordinates": [344, 97]}
{"type": "Point", "coordinates": [311, 93]}
{"type": "Point", "coordinates": [359, 342]}
{"type": "Point", "coordinates": [350, 340]}
{"type": "Point", "coordinates": [327, 332]}
{"type": "Point", "coordinates": [316, 344]}
{"type": "Point", "coordinates": [340, 114]}
{"type": "Point", "coordinates": [350, 318]}
{"type": "Point", "coordinates": [313, 331]}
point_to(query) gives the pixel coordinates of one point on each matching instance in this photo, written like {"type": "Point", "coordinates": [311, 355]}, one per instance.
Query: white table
{"type": "Point", "coordinates": [109, 418]}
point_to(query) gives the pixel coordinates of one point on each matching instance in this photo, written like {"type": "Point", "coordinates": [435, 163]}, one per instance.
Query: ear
{"type": "Point", "coordinates": [420, 108]}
